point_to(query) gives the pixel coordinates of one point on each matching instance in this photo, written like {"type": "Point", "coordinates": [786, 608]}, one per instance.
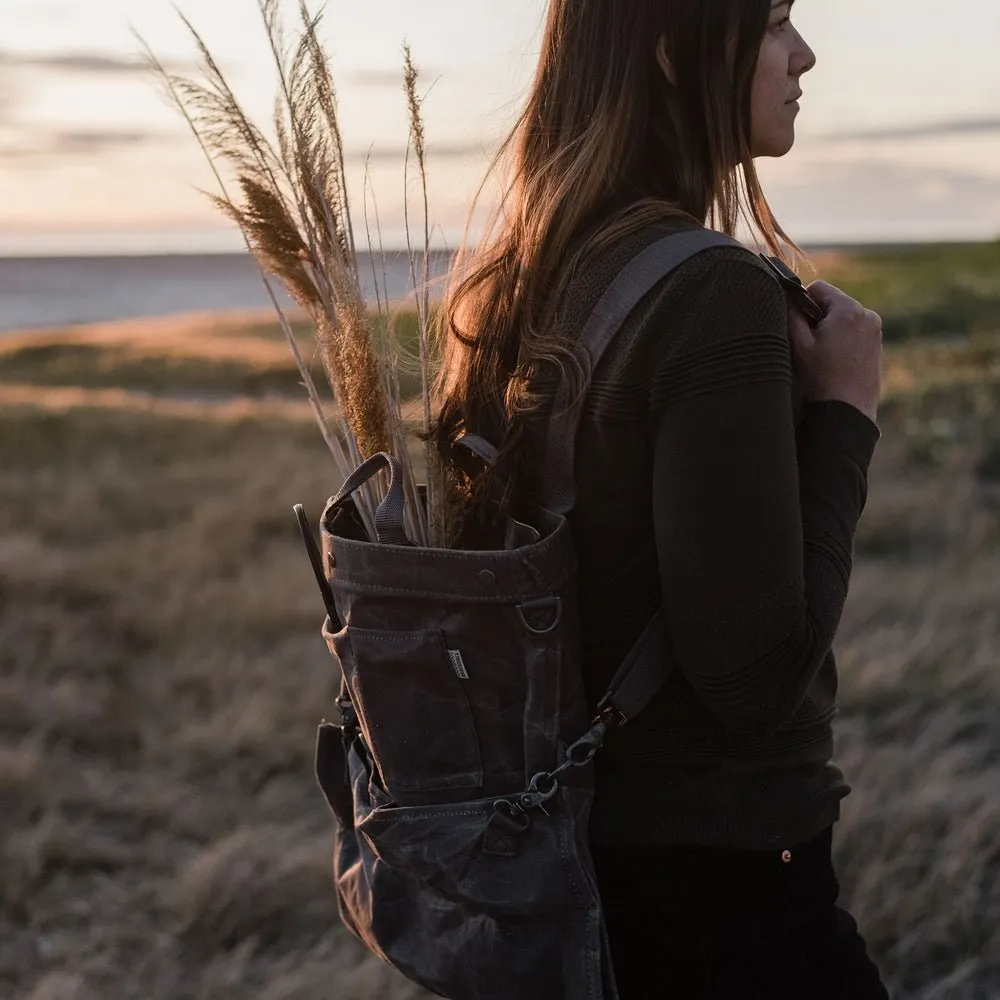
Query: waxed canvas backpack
{"type": "Point", "coordinates": [460, 774]}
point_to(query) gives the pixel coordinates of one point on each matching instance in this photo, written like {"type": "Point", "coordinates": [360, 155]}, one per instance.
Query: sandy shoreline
{"type": "Point", "coordinates": [149, 329]}
{"type": "Point", "coordinates": [119, 330]}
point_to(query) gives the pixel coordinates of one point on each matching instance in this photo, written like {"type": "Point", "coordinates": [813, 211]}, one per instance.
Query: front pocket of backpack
{"type": "Point", "coordinates": [412, 708]}
{"type": "Point", "coordinates": [439, 851]}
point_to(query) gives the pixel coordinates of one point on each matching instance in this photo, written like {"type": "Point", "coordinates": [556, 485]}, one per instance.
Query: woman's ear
{"type": "Point", "coordinates": [664, 60]}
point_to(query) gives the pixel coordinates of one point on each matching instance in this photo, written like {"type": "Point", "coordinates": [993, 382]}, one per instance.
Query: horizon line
{"type": "Point", "coordinates": [196, 243]}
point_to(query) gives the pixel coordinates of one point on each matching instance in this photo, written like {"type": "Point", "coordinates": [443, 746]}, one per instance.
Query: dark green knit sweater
{"type": "Point", "coordinates": [696, 488]}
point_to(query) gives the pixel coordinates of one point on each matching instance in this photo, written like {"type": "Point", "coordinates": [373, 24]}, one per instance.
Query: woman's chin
{"type": "Point", "coordinates": [777, 145]}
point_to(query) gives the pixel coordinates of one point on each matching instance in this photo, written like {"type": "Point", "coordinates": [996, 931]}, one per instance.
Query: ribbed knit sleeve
{"type": "Point", "coordinates": [754, 529]}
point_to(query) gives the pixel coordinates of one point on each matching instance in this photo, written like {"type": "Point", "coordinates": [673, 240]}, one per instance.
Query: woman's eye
{"type": "Point", "coordinates": [783, 23]}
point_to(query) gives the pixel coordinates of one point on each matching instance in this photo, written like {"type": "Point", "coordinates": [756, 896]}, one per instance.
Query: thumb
{"type": "Point", "coordinates": [825, 294]}
{"type": "Point", "coordinates": [800, 334]}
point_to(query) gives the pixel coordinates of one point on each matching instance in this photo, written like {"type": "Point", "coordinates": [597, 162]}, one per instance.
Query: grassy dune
{"type": "Point", "coordinates": [198, 357]}
{"type": "Point", "coordinates": [926, 289]}
{"type": "Point", "coordinates": [161, 673]}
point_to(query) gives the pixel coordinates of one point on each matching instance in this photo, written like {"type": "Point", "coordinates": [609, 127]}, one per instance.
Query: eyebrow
{"type": "Point", "coordinates": [782, 3]}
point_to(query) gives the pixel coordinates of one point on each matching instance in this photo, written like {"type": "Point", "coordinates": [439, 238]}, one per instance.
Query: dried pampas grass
{"type": "Point", "coordinates": [293, 209]}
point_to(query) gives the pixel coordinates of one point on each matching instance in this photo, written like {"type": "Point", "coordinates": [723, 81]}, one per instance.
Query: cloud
{"type": "Point", "coordinates": [11, 100]}
{"type": "Point", "coordinates": [88, 63]}
{"type": "Point", "coordinates": [39, 146]}
{"type": "Point", "coordinates": [435, 151]}
{"type": "Point", "coordinates": [39, 11]}
{"type": "Point", "coordinates": [859, 200]}
{"type": "Point", "coordinates": [377, 78]}
{"type": "Point", "coordinates": [959, 126]}
{"type": "Point", "coordinates": [98, 141]}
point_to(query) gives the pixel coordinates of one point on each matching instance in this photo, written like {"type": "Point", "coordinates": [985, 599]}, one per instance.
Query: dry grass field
{"type": "Point", "coordinates": [161, 675]}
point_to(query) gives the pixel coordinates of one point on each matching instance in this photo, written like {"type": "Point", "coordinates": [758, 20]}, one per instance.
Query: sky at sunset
{"type": "Point", "coordinates": [899, 136]}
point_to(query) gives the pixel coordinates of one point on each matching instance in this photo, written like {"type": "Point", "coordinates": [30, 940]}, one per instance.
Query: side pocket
{"type": "Point", "coordinates": [332, 774]}
{"type": "Point", "coordinates": [412, 709]}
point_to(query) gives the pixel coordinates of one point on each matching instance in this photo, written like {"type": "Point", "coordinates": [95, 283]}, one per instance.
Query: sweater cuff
{"type": "Point", "coordinates": [833, 421]}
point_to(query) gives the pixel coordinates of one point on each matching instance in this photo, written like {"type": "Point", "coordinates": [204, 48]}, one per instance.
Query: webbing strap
{"type": "Point", "coordinates": [389, 513]}
{"type": "Point", "coordinates": [646, 668]}
{"type": "Point", "coordinates": [644, 671]}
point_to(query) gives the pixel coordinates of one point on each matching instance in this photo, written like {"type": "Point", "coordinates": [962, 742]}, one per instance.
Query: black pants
{"type": "Point", "coordinates": [704, 924]}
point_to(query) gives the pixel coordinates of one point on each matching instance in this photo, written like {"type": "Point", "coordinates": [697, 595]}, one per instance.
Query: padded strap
{"type": "Point", "coordinates": [632, 284]}
{"type": "Point", "coordinates": [647, 666]}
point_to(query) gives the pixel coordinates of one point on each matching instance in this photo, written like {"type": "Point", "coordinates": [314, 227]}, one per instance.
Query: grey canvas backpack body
{"type": "Point", "coordinates": [461, 775]}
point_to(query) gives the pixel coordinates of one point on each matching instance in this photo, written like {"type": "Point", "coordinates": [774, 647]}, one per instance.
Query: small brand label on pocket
{"type": "Point", "coordinates": [458, 664]}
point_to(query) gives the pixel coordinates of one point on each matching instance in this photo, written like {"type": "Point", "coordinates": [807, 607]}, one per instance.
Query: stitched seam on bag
{"type": "Point", "coordinates": [443, 554]}
{"type": "Point", "coordinates": [346, 583]}
{"type": "Point", "coordinates": [421, 816]}
{"type": "Point", "coordinates": [373, 634]}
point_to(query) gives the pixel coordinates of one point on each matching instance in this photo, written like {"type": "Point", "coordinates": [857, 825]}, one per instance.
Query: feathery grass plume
{"type": "Point", "coordinates": [389, 352]}
{"type": "Point", "coordinates": [321, 89]}
{"type": "Point", "coordinates": [178, 91]}
{"type": "Point", "coordinates": [438, 486]}
{"type": "Point", "coordinates": [338, 309]}
{"type": "Point", "coordinates": [294, 213]}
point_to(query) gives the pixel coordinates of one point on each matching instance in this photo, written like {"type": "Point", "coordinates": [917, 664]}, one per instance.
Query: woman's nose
{"type": "Point", "coordinates": [804, 59]}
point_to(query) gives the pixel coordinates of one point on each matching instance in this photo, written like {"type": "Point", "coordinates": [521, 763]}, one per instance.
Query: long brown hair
{"type": "Point", "coordinates": [605, 145]}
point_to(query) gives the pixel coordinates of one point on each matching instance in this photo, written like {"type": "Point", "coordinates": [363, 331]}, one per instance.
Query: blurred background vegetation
{"type": "Point", "coordinates": [925, 290]}
{"type": "Point", "coordinates": [161, 669]}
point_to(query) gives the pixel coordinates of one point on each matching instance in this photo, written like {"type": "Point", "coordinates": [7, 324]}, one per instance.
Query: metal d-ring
{"type": "Point", "coordinates": [514, 813]}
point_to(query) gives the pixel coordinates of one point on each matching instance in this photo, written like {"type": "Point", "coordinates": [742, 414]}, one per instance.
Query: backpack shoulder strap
{"type": "Point", "coordinates": [647, 666]}
{"type": "Point", "coordinates": [624, 293]}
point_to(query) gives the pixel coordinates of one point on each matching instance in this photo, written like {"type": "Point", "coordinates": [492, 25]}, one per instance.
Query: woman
{"type": "Point", "coordinates": [712, 822]}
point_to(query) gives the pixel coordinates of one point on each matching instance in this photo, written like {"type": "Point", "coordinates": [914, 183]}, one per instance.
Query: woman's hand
{"type": "Point", "coordinates": [842, 358]}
